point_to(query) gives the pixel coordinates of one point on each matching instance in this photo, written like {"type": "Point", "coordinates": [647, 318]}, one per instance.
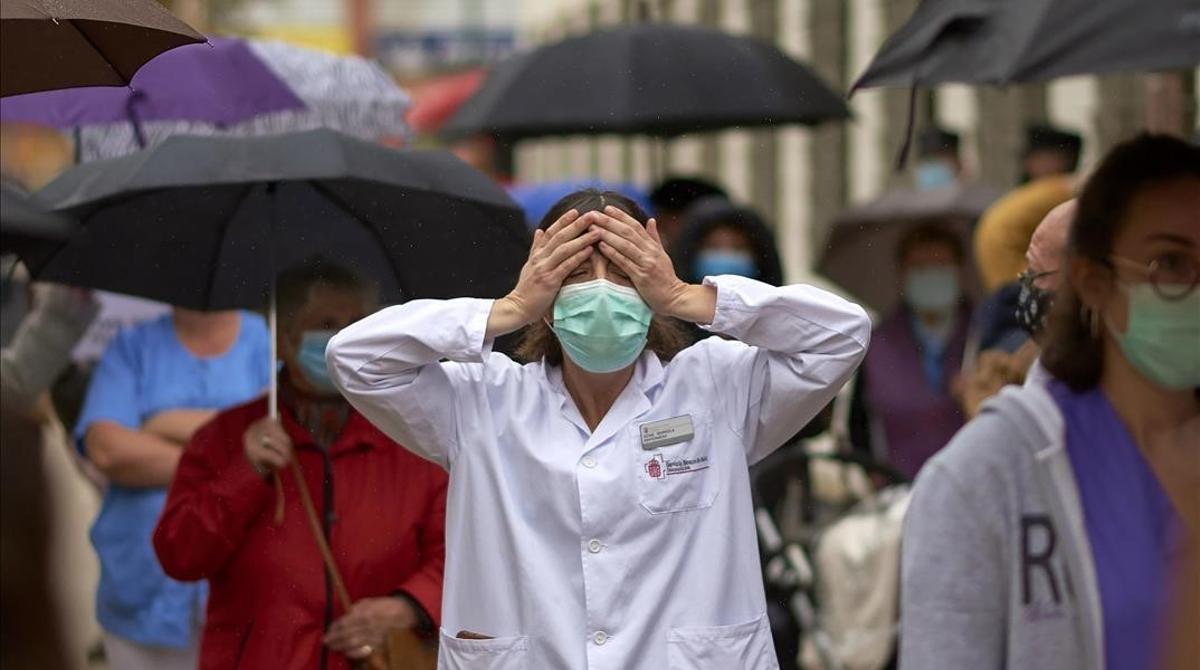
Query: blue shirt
{"type": "Point", "coordinates": [1131, 525]}
{"type": "Point", "coordinates": [932, 348]}
{"type": "Point", "coordinates": [146, 370]}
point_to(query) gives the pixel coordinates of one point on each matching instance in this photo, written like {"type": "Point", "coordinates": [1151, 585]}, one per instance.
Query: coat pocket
{"type": "Point", "coordinates": [499, 653]}
{"type": "Point", "coordinates": [743, 645]}
{"type": "Point", "coordinates": [679, 477]}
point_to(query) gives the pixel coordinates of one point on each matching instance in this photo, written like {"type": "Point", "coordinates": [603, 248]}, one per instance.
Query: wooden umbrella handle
{"type": "Point", "coordinates": [318, 532]}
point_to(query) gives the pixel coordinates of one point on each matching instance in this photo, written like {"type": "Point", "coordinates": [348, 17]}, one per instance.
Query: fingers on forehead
{"type": "Point", "coordinates": [621, 215]}
{"type": "Point", "coordinates": [567, 217]}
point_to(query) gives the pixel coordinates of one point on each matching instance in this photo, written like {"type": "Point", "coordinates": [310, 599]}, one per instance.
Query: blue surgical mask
{"type": "Point", "coordinates": [311, 360]}
{"type": "Point", "coordinates": [932, 289]}
{"type": "Point", "coordinates": [601, 326]}
{"type": "Point", "coordinates": [714, 262]}
{"type": "Point", "coordinates": [934, 175]}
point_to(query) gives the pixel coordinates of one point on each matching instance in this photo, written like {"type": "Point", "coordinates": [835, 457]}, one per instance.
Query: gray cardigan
{"type": "Point", "coordinates": [996, 569]}
{"type": "Point", "coordinates": [41, 347]}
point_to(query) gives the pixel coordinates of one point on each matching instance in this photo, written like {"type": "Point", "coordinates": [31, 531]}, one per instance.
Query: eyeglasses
{"type": "Point", "coordinates": [1028, 277]}
{"type": "Point", "coordinates": [1173, 276]}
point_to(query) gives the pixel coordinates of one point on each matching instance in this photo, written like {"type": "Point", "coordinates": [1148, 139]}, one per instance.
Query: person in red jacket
{"type": "Point", "coordinates": [271, 603]}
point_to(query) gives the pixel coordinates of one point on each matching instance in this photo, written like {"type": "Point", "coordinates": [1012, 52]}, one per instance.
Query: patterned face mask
{"type": "Point", "coordinates": [1033, 303]}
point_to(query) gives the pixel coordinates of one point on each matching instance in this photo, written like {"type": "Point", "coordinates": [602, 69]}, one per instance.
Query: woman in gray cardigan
{"type": "Point", "coordinates": [1045, 534]}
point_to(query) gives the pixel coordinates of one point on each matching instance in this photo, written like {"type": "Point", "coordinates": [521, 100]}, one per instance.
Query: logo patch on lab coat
{"type": "Point", "coordinates": [660, 468]}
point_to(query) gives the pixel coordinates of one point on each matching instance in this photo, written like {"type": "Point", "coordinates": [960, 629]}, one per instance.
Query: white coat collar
{"type": "Point", "coordinates": [632, 403]}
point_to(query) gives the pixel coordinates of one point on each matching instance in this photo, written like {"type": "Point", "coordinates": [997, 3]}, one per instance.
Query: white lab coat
{"type": "Point", "coordinates": [559, 542]}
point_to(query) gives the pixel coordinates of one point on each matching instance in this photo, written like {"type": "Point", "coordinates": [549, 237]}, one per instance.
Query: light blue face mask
{"type": "Point", "coordinates": [932, 289]}
{"type": "Point", "coordinates": [601, 326]}
{"type": "Point", "coordinates": [1162, 339]}
{"type": "Point", "coordinates": [311, 360]}
{"type": "Point", "coordinates": [934, 175]}
{"type": "Point", "coordinates": [721, 262]}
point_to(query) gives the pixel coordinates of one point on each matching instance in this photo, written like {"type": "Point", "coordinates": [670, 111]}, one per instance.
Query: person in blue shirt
{"type": "Point", "coordinates": [156, 384]}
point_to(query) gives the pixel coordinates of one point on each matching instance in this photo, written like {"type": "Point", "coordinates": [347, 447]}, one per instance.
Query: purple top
{"type": "Point", "coordinates": [917, 418]}
{"type": "Point", "coordinates": [1132, 528]}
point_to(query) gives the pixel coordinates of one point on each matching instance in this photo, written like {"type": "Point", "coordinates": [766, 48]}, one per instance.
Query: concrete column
{"type": "Point", "coordinates": [829, 146]}
{"type": "Point", "coordinates": [793, 225]}
{"type": "Point", "coordinates": [870, 153]}
{"type": "Point", "coordinates": [710, 152]}
{"type": "Point", "coordinates": [764, 153]}
{"type": "Point", "coordinates": [1004, 113]}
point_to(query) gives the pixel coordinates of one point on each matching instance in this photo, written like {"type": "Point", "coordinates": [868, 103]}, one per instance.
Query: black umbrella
{"type": "Point", "coordinates": [53, 44]}
{"type": "Point", "coordinates": [649, 79]}
{"type": "Point", "coordinates": [204, 222]}
{"type": "Point", "coordinates": [25, 224]}
{"type": "Point", "coordinates": [1003, 41]}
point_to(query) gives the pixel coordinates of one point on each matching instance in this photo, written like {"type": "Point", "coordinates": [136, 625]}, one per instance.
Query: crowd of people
{"type": "Point", "coordinates": [586, 499]}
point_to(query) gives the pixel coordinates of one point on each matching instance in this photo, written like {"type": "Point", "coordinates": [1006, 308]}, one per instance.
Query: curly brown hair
{"type": "Point", "coordinates": [538, 341]}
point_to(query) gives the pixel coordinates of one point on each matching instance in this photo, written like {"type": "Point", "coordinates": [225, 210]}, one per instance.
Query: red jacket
{"type": "Point", "coordinates": [269, 603]}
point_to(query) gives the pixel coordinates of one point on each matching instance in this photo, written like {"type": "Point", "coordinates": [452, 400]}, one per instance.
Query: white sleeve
{"type": "Point", "coordinates": [797, 345]}
{"type": "Point", "coordinates": [412, 370]}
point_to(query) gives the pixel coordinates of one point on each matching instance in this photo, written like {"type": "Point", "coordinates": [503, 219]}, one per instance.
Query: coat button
{"type": "Point", "coordinates": [589, 462]}
{"type": "Point", "coordinates": [595, 546]}
{"type": "Point", "coordinates": [600, 637]}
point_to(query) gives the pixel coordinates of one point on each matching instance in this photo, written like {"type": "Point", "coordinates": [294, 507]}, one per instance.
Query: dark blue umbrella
{"type": "Point", "coordinates": [223, 82]}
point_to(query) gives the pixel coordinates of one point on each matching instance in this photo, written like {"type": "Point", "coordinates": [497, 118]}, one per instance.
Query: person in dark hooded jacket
{"type": "Point", "coordinates": [722, 237]}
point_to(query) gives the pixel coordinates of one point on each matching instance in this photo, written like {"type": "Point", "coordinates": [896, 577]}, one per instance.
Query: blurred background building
{"type": "Point", "coordinates": [800, 178]}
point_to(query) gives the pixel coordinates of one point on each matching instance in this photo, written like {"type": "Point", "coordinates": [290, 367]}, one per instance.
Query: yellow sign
{"type": "Point", "coordinates": [332, 38]}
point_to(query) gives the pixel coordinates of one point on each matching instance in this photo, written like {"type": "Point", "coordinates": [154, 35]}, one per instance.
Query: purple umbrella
{"type": "Point", "coordinates": [221, 84]}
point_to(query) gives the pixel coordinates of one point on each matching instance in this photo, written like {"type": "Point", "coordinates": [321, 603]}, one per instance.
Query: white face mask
{"type": "Point", "coordinates": [932, 289]}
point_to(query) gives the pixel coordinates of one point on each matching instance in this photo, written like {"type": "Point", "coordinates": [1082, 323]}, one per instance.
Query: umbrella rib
{"type": "Point", "coordinates": [104, 57]}
{"type": "Point", "coordinates": [340, 202]}
{"type": "Point", "coordinates": [221, 235]}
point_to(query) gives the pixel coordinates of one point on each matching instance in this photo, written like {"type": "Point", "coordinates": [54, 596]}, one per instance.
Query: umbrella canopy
{"type": "Point", "coordinates": [436, 100]}
{"type": "Point", "coordinates": [960, 201]}
{"type": "Point", "coordinates": [1002, 41]}
{"type": "Point", "coordinates": [25, 224]}
{"type": "Point", "coordinates": [52, 44]}
{"type": "Point", "coordinates": [860, 256]}
{"type": "Point", "coordinates": [205, 222]}
{"type": "Point", "coordinates": [220, 83]}
{"type": "Point", "coordinates": [345, 93]}
{"type": "Point", "coordinates": [650, 79]}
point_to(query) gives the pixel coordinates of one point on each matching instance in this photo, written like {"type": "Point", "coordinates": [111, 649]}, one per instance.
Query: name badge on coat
{"type": "Point", "coordinates": [664, 433]}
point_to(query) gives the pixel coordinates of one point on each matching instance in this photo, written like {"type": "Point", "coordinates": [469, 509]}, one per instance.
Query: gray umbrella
{"type": "Point", "coordinates": [26, 224]}
{"type": "Point", "coordinates": [1003, 41]}
{"type": "Point", "coordinates": [860, 254]}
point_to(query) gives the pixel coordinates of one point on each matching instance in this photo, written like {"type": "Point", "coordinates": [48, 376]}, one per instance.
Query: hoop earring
{"type": "Point", "coordinates": [1092, 318]}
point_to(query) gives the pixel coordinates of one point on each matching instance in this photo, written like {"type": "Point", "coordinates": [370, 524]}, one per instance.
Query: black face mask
{"type": "Point", "coordinates": [1033, 303]}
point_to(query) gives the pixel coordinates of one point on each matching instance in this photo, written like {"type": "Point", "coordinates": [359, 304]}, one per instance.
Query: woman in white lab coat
{"type": "Point", "coordinates": [599, 511]}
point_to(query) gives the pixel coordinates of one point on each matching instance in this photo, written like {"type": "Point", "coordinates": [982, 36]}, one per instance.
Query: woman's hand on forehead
{"type": "Point", "coordinates": [554, 254]}
{"type": "Point", "coordinates": [638, 252]}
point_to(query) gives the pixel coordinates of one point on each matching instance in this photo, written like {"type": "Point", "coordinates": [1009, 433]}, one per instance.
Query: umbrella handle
{"type": "Point", "coordinates": [273, 386]}
{"type": "Point", "coordinates": [273, 393]}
